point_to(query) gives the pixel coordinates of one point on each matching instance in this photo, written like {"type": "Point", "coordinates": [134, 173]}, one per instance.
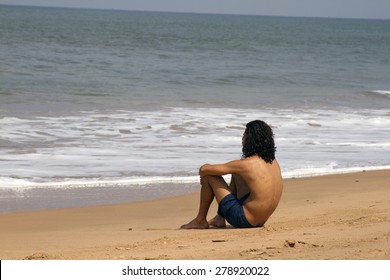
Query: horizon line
{"type": "Point", "coordinates": [188, 12]}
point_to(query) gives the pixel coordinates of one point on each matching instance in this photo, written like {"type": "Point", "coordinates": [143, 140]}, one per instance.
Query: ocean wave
{"type": "Point", "coordinates": [92, 94]}
{"type": "Point", "coordinates": [381, 93]}
{"type": "Point", "coordinates": [169, 145]}
{"type": "Point", "coordinates": [322, 171]}
{"type": "Point", "coordinates": [18, 184]}
{"type": "Point", "coordinates": [362, 145]}
{"type": "Point", "coordinates": [6, 92]}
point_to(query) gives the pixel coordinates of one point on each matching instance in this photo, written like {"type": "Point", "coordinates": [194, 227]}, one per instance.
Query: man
{"type": "Point", "coordinates": [255, 188]}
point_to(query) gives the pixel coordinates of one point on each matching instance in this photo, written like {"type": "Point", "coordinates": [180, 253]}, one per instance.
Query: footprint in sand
{"type": "Point", "coordinates": [39, 256]}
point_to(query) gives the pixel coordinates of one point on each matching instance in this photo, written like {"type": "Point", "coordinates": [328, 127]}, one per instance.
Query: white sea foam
{"type": "Point", "coordinates": [97, 148]}
{"type": "Point", "coordinates": [385, 93]}
{"type": "Point", "coordinates": [312, 172]}
{"type": "Point", "coordinates": [23, 184]}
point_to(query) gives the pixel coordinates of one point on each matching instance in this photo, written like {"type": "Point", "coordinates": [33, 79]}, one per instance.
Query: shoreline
{"type": "Point", "coordinates": [73, 194]}
{"type": "Point", "coordinates": [344, 216]}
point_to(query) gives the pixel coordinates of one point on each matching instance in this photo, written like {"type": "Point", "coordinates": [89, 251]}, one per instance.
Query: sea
{"type": "Point", "coordinates": [108, 106]}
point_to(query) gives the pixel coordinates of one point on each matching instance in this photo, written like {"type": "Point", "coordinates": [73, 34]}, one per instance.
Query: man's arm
{"type": "Point", "coordinates": [236, 166]}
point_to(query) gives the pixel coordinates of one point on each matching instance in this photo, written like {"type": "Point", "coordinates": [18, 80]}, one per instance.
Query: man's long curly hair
{"type": "Point", "coordinates": [259, 140]}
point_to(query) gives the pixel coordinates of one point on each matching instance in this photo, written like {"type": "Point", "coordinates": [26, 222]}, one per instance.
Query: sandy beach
{"type": "Point", "coordinates": [328, 217]}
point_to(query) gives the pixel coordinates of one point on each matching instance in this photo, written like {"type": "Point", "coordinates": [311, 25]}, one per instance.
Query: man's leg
{"type": "Point", "coordinates": [237, 187]}
{"type": "Point", "coordinates": [212, 186]}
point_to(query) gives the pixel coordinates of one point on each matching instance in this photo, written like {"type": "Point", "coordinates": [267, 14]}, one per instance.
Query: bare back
{"type": "Point", "coordinates": [265, 184]}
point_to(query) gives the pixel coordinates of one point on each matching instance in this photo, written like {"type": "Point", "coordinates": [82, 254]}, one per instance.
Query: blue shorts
{"type": "Point", "coordinates": [231, 209]}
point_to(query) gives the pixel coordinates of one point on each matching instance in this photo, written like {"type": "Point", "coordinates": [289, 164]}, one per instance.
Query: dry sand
{"type": "Point", "coordinates": [329, 217]}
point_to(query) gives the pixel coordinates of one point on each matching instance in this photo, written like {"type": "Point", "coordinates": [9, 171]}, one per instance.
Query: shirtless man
{"type": "Point", "coordinates": [255, 188]}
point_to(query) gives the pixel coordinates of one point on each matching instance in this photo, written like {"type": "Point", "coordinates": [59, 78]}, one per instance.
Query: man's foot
{"type": "Point", "coordinates": [195, 224]}
{"type": "Point", "coordinates": [218, 221]}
